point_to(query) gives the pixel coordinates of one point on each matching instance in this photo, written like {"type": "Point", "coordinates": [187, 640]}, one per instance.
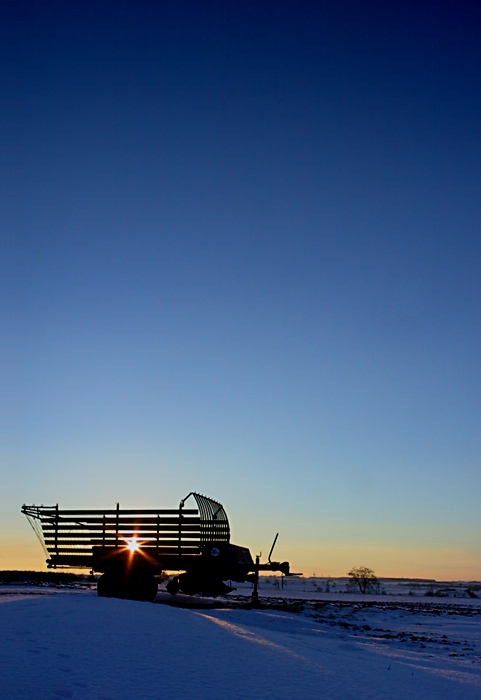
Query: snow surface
{"type": "Point", "coordinates": [72, 644]}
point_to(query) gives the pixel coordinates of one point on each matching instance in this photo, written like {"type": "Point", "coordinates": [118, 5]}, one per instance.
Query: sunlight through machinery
{"type": "Point", "coordinates": [133, 545]}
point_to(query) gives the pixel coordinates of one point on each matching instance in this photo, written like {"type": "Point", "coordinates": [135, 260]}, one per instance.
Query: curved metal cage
{"type": "Point", "coordinates": [214, 525]}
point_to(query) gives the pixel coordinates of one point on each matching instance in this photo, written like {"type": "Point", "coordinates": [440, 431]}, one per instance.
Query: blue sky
{"type": "Point", "coordinates": [241, 255]}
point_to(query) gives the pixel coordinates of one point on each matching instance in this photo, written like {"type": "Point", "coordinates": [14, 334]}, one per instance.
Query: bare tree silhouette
{"type": "Point", "coordinates": [365, 578]}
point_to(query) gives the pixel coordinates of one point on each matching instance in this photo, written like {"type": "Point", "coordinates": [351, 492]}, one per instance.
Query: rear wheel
{"type": "Point", "coordinates": [109, 585]}
{"type": "Point", "coordinates": [139, 585]}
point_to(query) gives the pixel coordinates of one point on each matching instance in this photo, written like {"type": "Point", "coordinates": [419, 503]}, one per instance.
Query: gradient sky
{"type": "Point", "coordinates": [241, 254]}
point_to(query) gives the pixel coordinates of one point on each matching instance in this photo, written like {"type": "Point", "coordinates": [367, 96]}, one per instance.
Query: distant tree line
{"type": "Point", "coordinates": [40, 577]}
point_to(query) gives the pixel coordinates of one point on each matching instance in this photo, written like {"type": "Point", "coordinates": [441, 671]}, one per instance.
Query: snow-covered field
{"type": "Point", "coordinates": [67, 643]}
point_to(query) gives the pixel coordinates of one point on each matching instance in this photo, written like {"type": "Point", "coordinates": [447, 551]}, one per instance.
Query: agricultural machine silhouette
{"type": "Point", "coordinates": [131, 547]}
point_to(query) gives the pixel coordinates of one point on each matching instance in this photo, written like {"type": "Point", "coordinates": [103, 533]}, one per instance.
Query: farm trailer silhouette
{"type": "Point", "coordinates": [130, 547]}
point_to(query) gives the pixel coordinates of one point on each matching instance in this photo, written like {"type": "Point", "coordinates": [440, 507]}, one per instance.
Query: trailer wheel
{"type": "Point", "coordinates": [109, 585]}
{"type": "Point", "coordinates": [173, 586]}
{"type": "Point", "coordinates": [140, 586]}
{"type": "Point", "coordinates": [188, 584]}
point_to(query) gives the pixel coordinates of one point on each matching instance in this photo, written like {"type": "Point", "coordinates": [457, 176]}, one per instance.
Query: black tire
{"type": "Point", "coordinates": [140, 586]}
{"type": "Point", "coordinates": [189, 585]}
{"type": "Point", "coordinates": [194, 585]}
{"type": "Point", "coordinates": [173, 586]}
{"type": "Point", "coordinates": [109, 585]}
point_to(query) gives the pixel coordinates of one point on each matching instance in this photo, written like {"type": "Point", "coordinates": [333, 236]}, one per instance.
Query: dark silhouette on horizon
{"type": "Point", "coordinates": [130, 547]}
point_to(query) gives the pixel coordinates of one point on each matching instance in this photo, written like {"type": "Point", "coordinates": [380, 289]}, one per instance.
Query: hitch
{"type": "Point", "coordinates": [283, 567]}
